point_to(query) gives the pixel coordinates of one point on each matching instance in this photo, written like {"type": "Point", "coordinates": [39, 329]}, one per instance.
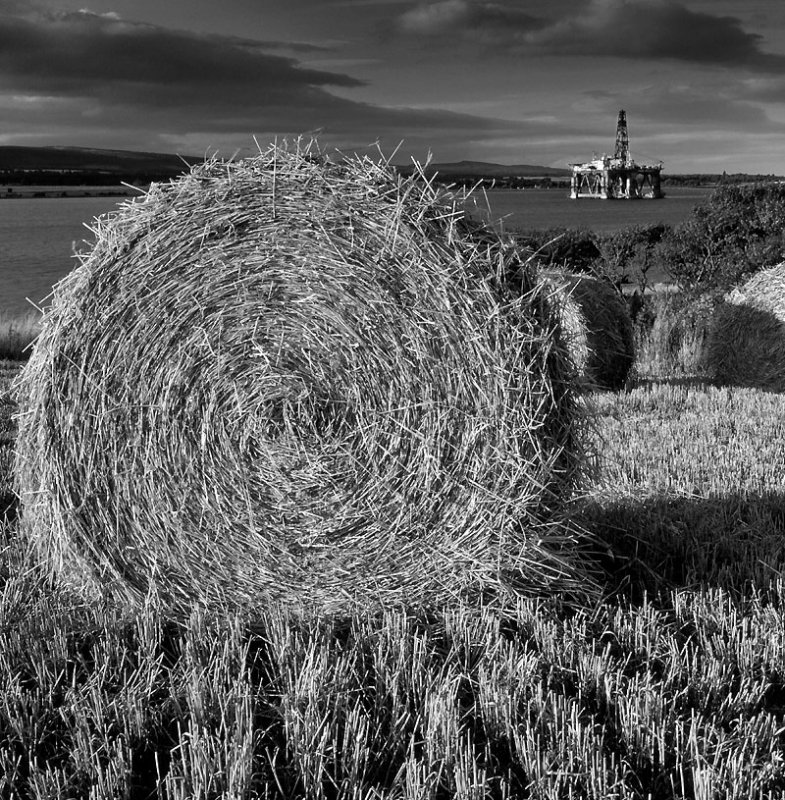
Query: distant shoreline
{"type": "Point", "coordinates": [27, 192]}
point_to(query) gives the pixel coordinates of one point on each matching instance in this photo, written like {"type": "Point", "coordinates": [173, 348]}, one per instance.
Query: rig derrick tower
{"type": "Point", "coordinates": [622, 151]}
{"type": "Point", "coordinates": [617, 177]}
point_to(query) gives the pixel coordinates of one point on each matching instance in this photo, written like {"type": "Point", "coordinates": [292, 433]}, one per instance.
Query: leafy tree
{"type": "Point", "coordinates": [574, 249]}
{"type": "Point", "coordinates": [740, 230]}
{"type": "Point", "coordinates": [625, 256]}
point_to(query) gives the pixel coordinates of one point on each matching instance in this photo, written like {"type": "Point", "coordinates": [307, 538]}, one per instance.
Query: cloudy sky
{"type": "Point", "coordinates": [509, 81]}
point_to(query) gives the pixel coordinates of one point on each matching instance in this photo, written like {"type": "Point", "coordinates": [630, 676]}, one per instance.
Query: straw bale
{"type": "Point", "coordinates": [289, 379]}
{"type": "Point", "coordinates": [747, 340]}
{"type": "Point", "coordinates": [596, 325]}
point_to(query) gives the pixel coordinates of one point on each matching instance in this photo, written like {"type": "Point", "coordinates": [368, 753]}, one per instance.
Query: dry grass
{"type": "Point", "coordinates": [17, 334]}
{"type": "Point", "coordinates": [690, 487]}
{"type": "Point", "coordinates": [597, 327]}
{"type": "Point", "coordinates": [284, 378]}
{"type": "Point", "coordinates": [9, 370]}
{"type": "Point", "coordinates": [674, 699]}
{"type": "Point", "coordinates": [747, 346]}
{"type": "Point", "coordinates": [672, 335]}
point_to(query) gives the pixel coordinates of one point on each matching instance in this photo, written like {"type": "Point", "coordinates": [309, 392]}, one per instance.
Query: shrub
{"type": "Point", "coordinates": [619, 257]}
{"type": "Point", "coordinates": [627, 255]}
{"type": "Point", "coordinates": [740, 230]}
{"type": "Point", "coordinates": [573, 249]}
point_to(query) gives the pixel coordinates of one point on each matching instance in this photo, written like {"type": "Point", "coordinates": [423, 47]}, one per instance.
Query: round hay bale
{"type": "Point", "coordinates": [747, 340]}
{"type": "Point", "coordinates": [597, 328]}
{"type": "Point", "coordinates": [287, 379]}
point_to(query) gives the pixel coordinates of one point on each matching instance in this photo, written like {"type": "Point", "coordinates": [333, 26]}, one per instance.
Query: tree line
{"type": "Point", "coordinates": [43, 177]}
{"type": "Point", "coordinates": [739, 230]}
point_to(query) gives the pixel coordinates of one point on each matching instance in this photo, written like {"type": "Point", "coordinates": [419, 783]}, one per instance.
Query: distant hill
{"type": "Point", "coordinates": [91, 161]}
{"type": "Point", "coordinates": [485, 169]}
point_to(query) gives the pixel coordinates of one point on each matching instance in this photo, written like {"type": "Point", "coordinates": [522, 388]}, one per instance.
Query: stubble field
{"type": "Point", "coordinates": [671, 686]}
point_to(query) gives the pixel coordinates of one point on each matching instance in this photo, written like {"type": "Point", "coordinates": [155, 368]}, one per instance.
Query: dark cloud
{"type": "Point", "coordinates": [637, 29]}
{"type": "Point", "coordinates": [99, 75]}
{"type": "Point", "coordinates": [89, 54]}
{"type": "Point", "coordinates": [648, 29]}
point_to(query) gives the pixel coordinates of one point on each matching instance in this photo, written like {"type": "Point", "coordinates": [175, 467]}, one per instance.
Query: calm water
{"type": "Point", "coordinates": [37, 241]}
{"type": "Point", "coordinates": [551, 208]}
{"type": "Point", "coordinates": [38, 236]}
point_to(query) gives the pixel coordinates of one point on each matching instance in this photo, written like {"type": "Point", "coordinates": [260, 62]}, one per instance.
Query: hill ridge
{"type": "Point", "coordinates": [67, 158]}
{"type": "Point", "coordinates": [62, 158]}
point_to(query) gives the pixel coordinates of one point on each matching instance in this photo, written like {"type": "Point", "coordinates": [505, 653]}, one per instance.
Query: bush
{"type": "Point", "coordinates": [625, 256]}
{"type": "Point", "coordinates": [740, 230]}
{"type": "Point", "coordinates": [619, 257]}
{"type": "Point", "coordinates": [573, 249]}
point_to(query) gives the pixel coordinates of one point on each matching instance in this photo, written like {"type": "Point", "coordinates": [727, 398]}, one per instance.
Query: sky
{"type": "Point", "coordinates": [504, 81]}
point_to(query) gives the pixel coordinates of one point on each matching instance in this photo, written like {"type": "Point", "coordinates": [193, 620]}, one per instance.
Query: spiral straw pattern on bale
{"type": "Point", "coordinates": [288, 379]}
{"type": "Point", "coordinates": [597, 328]}
{"type": "Point", "coordinates": [747, 339]}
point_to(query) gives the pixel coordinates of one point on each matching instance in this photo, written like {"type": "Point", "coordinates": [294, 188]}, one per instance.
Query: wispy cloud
{"type": "Point", "coordinates": [681, 106]}
{"type": "Point", "coordinates": [473, 18]}
{"type": "Point", "coordinates": [102, 55]}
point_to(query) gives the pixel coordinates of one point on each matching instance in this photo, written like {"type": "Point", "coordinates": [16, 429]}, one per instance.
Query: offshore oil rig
{"type": "Point", "coordinates": [617, 177]}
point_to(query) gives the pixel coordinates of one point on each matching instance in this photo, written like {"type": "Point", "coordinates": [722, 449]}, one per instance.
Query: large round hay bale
{"type": "Point", "coordinates": [597, 327]}
{"type": "Point", "coordinates": [747, 341]}
{"type": "Point", "coordinates": [284, 378]}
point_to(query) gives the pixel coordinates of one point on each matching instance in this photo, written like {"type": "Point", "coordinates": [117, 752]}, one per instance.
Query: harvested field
{"type": "Point", "coordinates": [669, 686]}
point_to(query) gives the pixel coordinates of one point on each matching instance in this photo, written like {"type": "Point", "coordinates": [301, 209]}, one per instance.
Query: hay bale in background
{"type": "Point", "coordinates": [672, 337]}
{"type": "Point", "coordinates": [747, 343]}
{"type": "Point", "coordinates": [597, 327]}
{"type": "Point", "coordinates": [288, 379]}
